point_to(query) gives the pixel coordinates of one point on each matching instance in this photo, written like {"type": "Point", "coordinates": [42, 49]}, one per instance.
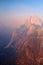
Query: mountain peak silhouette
{"type": "Point", "coordinates": [33, 20]}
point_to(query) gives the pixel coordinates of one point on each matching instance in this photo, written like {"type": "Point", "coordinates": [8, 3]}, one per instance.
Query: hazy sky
{"type": "Point", "coordinates": [13, 10]}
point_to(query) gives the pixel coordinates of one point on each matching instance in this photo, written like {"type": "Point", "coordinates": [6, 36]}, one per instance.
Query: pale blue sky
{"type": "Point", "coordinates": [14, 9]}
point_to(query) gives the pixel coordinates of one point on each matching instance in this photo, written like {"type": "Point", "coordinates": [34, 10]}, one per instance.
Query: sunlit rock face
{"type": "Point", "coordinates": [27, 40]}
{"type": "Point", "coordinates": [31, 52]}
{"type": "Point", "coordinates": [32, 22]}
{"type": "Point", "coordinates": [33, 19]}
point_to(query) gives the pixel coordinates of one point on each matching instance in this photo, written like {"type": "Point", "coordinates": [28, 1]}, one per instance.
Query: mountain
{"type": "Point", "coordinates": [25, 45]}
{"type": "Point", "coordinates": [32, 23]}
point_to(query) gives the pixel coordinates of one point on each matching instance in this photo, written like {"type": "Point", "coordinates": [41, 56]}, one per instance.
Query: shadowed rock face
{"type": "Point", "coordinates": [26, 43]}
